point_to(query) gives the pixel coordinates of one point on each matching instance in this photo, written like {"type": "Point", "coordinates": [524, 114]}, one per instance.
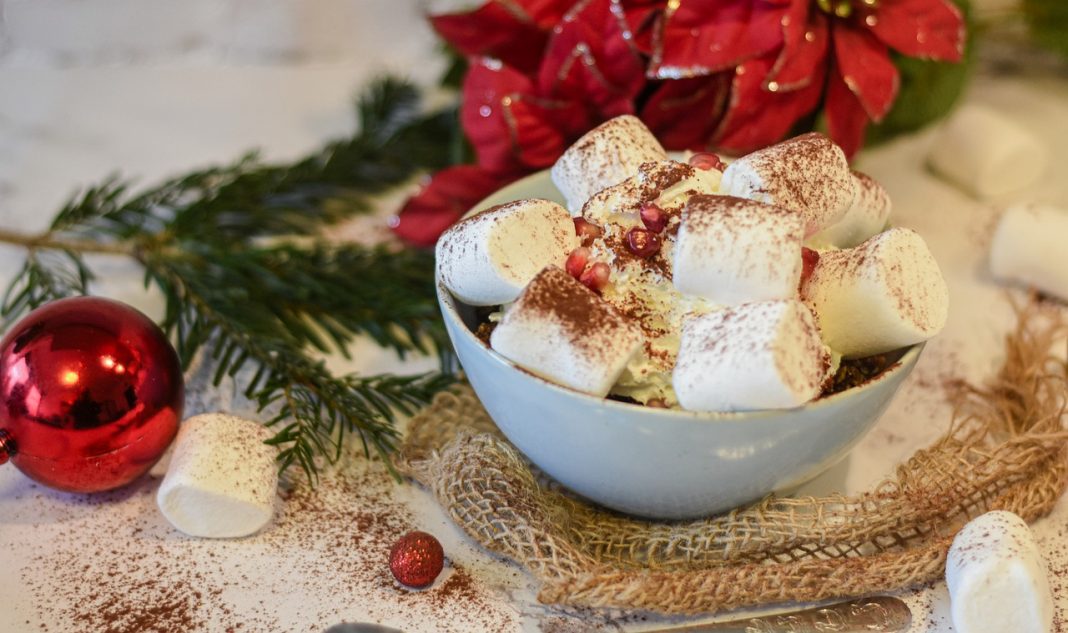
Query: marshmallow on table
{"type": "Point", "coordinates": [997, 578]}
{"type": "Point", "coordinates": [866, 216]}
{"type": "Point", "coordinates": [731, 250]}
{"type": "Point", "coordinates": [488, 258]}
{"type": "Point", "coordinates": [986, 153]}
{"type": "Point", "coordinates": [606, 155]}
{"type": "Point", "coordinates": [885, 294]}
{"type": "Point", "coordinates": [1029, 247]}
{"type": "Point", "coordinates": [222, 478]}
{"type": "Point", "coordinates": [808, 173]}
{"type": "Point", "coordinates": [760, 355]}
{"type": "Point", "coordinates": [560, 330]}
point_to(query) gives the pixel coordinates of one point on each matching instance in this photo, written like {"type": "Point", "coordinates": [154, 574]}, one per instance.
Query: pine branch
{"type": "Point", "coordinates": [46, 275]}
{"type": "Point", "coordinates": [275, 305]}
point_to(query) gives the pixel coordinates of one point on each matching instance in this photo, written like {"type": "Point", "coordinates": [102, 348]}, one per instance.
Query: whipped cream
{"type": "Point", "coordinates": [642, 289]}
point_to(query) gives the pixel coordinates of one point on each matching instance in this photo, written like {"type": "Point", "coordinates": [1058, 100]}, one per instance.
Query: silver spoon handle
{"type": "Point", "coordinates": [881, 614]}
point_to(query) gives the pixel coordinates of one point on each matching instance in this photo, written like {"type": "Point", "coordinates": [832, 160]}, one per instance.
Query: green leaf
{"type": "Point", "coordinates": [1048, 22]}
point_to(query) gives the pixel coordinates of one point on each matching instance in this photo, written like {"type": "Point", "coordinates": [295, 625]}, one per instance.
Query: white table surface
{"type": "Point", "coordinates": [61, 129]}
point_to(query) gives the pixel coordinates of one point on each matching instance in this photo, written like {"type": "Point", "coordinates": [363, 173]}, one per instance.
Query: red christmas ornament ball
{"type": "Point", "coordinates": [91, 394]}
{"type": "Point", "coordinates": [416, 559]}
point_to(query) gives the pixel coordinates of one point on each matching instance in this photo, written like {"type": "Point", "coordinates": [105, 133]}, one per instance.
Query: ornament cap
{"type": "Point", "coordinates": [7, 446]}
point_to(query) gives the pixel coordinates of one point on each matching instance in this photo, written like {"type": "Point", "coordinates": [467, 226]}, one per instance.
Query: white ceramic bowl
{"type": "Point", "coordinates": [659, 463]}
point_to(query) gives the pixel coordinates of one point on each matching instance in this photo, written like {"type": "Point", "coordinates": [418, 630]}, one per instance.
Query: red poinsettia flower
{"type": "Point", "coordinates": [580, 64]}
{"type": "Point", "coordinates": [789, 55]}
{"type": "Point", "coordinates": [734, 75]}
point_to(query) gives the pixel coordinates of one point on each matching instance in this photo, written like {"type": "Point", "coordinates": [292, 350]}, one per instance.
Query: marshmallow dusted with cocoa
{"type": "Point", "coordinates": [1029, 247]}
{"type": "Point", "coordinates": [560, 330]}
{"type": "Point", "coordinates": [879, 296]}
{"type": "Point", "coordinates": [666, 184]}
{"type": "Point", "coordinates": [997, 579]}
{"type": "Point", "coordinates": [760, 355]}
{"type": "Point", "coordinates": [488, 258]}
{"type": "Point", "coordinates": [606, 155]}
{"type": "Point", "coordinates": [222, 478]}
{"type": "Point", "coordinates": [732, 250]}
{"type": "Point", "coordinates": [808, 173]}
{"type": "Point", "coordinates": [867, 215]}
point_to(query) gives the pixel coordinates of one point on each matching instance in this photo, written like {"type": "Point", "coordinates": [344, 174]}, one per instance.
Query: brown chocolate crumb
{"type": "Point", "coordinates": [854, 372]}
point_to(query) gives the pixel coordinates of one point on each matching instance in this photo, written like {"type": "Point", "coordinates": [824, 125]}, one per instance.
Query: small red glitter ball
{"type": "Point", "coordinates": [416, 559]}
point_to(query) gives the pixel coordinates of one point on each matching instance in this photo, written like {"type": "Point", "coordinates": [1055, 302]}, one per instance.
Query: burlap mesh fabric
{"type": "Point", "coordinates": [1007, 449]}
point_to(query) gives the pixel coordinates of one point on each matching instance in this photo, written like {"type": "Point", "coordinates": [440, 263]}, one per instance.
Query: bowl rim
{"type": "Point", "coordinates": [448, 302]}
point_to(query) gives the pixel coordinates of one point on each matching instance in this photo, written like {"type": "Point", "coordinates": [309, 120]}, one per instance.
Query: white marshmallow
{"type": "Point", "coordinates": [1029, 247]}
{"type": "Point", "coordinates": [562, 331]}
{"type": "Point", "coordinates": [807, 173]}
{"type": "Point", "coordinates": [885, 294]}
{"type": "Point", "coordinates": [488, 258]}
{"type": "Point", "coordinates": [866, 216]}
{"type": "Point", "coordinates": [997, 578]}
{"type": "Point", "coordinates": [222, 478]}
{"type": "Point", "coordinates": [731, 250]}
{"type": "Point", "coordinates": [986, 153]}
{"type": "Point", "coordinates": [606, 155]}
{"type": "Point", "coordinates": [668, 184]}
{"type": "Point", "coordinates": [761, 355]}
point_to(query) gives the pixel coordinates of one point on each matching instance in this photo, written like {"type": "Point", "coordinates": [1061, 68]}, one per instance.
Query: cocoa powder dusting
{"type": "Point", "coordinates": [323, 560]}
{"type": "Point", "coordinates": [585, 318]}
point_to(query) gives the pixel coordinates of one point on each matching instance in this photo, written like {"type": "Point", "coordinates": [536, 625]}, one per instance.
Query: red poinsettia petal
{"type": "Point", "coordinates": [510, 128]}
{"type": "Point", "coordinates": [846, 117]}
{"type": "Point", "coordinates": [865, 67]}
{"type": "Point", "coordinates": [931, 29]}
{"type": "Point", "coordinates": [445, 197]}
{"type": "Point", "coordinates": [685, 113]}
{"type": "Point", "coordinates": [488, 86]}
{"type": "Point", "coordinates": [641, 17]}
{"type": "Point", "coordinates": [804, 48]}
{"type": "Point", "coordinates": [700, 37]}
{"type": "Point", "coordinates": [545, 13]}
{"type": "Point", "coordinates": [540, 128]}
{"type": "Point", "coordinates": [494, 31]}
{"type": "Point", "coordinates": [757, 117]}
{"type": "Point", "coordinates": [590, 58]}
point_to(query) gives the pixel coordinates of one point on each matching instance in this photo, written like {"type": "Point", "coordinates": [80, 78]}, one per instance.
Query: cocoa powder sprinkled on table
{"type": "Point", "coordinates": [118, 567]}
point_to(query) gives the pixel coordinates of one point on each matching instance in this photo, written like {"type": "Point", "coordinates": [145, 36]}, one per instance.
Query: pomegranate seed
{"type": "Point", "coordinates": [642, 242]}
{"type": "Point", "coordinates": [809, 259]}
{"type": "Point", "coordinates": [576, 261]}
{"type": "Point", "coordinates": [587, 230]}
{"type": "Point", "coordinates": [653, 217]}
{"type": "Point", "coordinates": [596, 277]}
{"type": "Point", "coordinates": [706, 161]}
